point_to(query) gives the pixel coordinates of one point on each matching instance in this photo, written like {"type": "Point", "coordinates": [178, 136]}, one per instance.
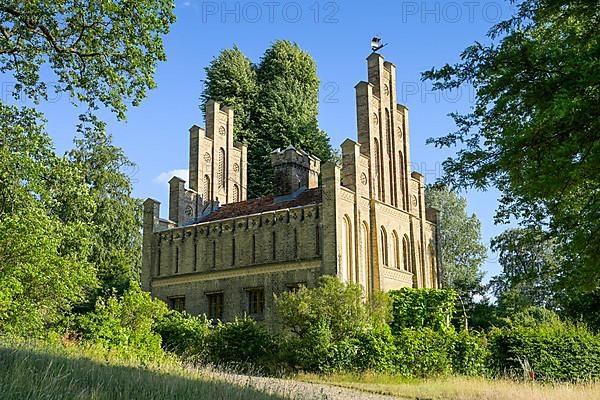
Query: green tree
{"type": "Point", "coordinates": [117, 219]}
{"type": "Point", "coordinates": [460, 240]}
{"type": "Point", "coordinates": [533, 130]}
{"type": "Point", "coordinates": [530, 266]}
{"type": "Point", "coordinates": [231, 80]}
{"type": "Point", "coordinates": [44, 266]}
{"type": "Point", "coordinates": [278, 103]}
{"type": "Point", "coordinates": [341, 307]}
{"type": "Point", "coordinates": [102, 52]}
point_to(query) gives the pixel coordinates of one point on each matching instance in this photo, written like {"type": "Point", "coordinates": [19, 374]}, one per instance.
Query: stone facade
{"type": "Point", "coordinates": [366, 222]}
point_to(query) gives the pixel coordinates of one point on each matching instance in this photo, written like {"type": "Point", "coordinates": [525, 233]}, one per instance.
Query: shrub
{"type": "Point", "coordinates": [124, 324]}
{"type": "Point", "coordinates": [183, 334]}
{"type": "Point", "coordinates": [422, 308]}
{"type": "Point", "coordinates": [554, 352]}
{"type": "Point", "coordinates": [470, 353]}
{"type": "Point", "coordinates": [243, 344]}
{"type": "Point", "coordinates": [423, 352]}
{"type": "Point", "coordinates": [342, 307]}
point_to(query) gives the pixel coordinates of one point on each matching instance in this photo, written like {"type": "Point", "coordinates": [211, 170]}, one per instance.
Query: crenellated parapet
{"type": "Point", "coordinates": [269, 237]}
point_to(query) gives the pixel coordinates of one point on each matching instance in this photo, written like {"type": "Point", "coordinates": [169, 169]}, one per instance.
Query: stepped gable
{"type": "Point", "coordinates": [263, 204]}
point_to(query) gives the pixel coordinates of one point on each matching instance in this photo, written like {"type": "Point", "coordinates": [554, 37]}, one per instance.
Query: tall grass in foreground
{"type": "Point", "coordinates": [459, 388]}
{"type": "Point", "coordinates": [28, 372]}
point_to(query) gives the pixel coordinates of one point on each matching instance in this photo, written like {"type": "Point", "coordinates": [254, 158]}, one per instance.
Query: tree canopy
{"type": "Point", "coordinates": [533, 131]}
{"type": "Point", "coordinates": [530, 266]}
{"type": "Point", "coordinates": [276, 104]}
{"type": "Point", "coordinates": [102, 52]}
{"type": "Point", "coordinates": [463, 253]}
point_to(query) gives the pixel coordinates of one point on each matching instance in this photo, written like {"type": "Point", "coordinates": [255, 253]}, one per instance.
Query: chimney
{"type": "Point", "coordinates": [294, 169]}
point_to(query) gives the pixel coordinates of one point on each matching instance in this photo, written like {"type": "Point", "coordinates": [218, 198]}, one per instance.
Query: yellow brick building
{"type": "Point", "coordinates": [365, 222]}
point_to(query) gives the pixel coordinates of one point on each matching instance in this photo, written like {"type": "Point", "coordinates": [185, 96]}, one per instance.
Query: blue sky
{"type": "Point", "coordinates": [337, 34]}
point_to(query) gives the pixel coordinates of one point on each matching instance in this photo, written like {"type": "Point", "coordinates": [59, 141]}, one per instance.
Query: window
{"type": "Point", "coordinates": [177, 303]}
{"type": "Point", "coordinates": [433, 266]}
{"type": "Point", "coordinates": [346, 272]}
{"type": "Point", "coordinates": [221, 174]}
{"type": "Point", "coordinates": [253, 248]}
{"type": "Point", "coordinates": [256, 301]}
{"type": "Point", "coordinates": [378, 174]}
{"type": "Point", "coordinates": [215, 306]}
{"type": "Point", "coordinates": [405, 254]}
{"type": "Point", "coordinates": [233, 251]}
{"type": "Point", "coordinates": [396, 255]}
{"type": "Point", "coordinates": [176, 260]}
{"type": "Point", "coordinates": [236, 194]}
{"type": "Point", "coordinates": [384, 246]}
{"type": "Point", "coordinates": [206, 189]}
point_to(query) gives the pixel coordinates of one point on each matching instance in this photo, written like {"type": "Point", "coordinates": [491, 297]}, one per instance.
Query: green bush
{"type": "Point", "coordinates": [183, 334]}
{"type": "Point", "coordinates": [243, 344]}
{"type": "Point", "coordinates": [423, 352]}
{"type": "Point", "coordinates": [470, 353]}
{"type": "Point", "coordinates": [124, 324]}
{"type": "Point", "coordinates": [422, 308]}
{"type": "Point", "coordinates": [553, 352]}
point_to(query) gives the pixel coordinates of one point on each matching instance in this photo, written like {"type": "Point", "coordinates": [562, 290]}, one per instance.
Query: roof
{"type": "Point", "coordinates": [263, 204]}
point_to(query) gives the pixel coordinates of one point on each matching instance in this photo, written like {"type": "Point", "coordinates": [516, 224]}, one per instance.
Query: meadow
{"type": "Point", "coordinates": [458, 388]}
{"type": "Point", "coordinates": [38, 372]}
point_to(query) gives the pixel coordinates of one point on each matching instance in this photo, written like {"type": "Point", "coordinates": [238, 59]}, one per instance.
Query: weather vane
{"type": "Point", "coordinates": [376, 44]}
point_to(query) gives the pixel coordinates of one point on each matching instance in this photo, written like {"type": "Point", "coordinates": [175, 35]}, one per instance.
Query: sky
{"type": "Point", "coordinates": [337, 34]}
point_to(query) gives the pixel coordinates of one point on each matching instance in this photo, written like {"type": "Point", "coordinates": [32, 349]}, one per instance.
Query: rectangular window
{"type": "Point", "coordinates": [177, 303]}
{"type": "Point", "coordinates": [215, 306]}
{"type": "Point", "coordinates": [256, 302]}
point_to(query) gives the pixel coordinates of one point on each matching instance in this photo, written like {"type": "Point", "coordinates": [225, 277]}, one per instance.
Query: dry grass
{"type": "Point", "coordinates": [459, 388]}
{"type": "Point", "coordinates": [34, 372]}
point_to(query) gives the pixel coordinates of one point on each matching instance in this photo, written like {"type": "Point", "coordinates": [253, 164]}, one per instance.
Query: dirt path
{"type": "Point", "coordinates": [295, 390]}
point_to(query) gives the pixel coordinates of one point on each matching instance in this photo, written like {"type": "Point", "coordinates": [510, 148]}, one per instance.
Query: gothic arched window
{"type": "Point", "coordinates": [384, 246]}
{"type": "Point", "coordinates": [206, 189]}
{"type": "Point", "coordinates": [346, 249]}
{"type": "Point", "coordinates": [236, 194]}
{"type": "Point", "coordinates": [396, 254]}
{"type": "Point", "coordinates": [406, 254]}
{"type": "Point", "coordinates": [221, 174]}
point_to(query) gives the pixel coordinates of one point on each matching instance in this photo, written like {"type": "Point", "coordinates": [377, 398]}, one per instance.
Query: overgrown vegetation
{"type": "Point", "coordinates": [276, 104]}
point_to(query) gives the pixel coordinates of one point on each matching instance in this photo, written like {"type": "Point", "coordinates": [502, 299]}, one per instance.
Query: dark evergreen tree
{"type": "Point", "coordinates": [277, 102]}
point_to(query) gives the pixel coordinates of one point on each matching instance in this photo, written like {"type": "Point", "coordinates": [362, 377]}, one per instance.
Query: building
{"type": "Point", "coordinates": [366, 221]}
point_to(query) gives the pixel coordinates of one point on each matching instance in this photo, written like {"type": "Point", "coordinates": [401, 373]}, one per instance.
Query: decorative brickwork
{"type": "Point", "coordinates": [225, 255]}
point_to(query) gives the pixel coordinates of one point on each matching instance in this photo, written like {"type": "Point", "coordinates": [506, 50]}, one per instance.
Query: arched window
{"type": "Point", "coordinates": [406, 254]}
{"type": "Point", "coordinates": [236, 194]}
{"type": "Point", "coordinates": [206, 195]}
{"type": "Point", "coordinates": [221, 174]}
{"type": "Point", "coordinates": [365, 255]}
{"type": "Point", "coordinates": [388, 132]}
{"type": "Point", "coordinates": [432, 266]}
{"type": "Point", "coordinates": [384, 246]}
{"type": "Point", "coordinates": [390, 153]}
{"type": "Point", "coordinates": [420, 268]}
{"type": "Point", "coordinates": [396, 255]}
{"type": "Point", "coordinates": [378, 174]}
{"type": "Point", "coordinates": [401, 170]}
{"type": "Point", "coordinates": [346, 271]}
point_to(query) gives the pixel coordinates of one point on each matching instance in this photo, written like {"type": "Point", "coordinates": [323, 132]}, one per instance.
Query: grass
{"type": "Point", "coordinates": [32, 372]}
{"type": "Point", "coordinates": [458, 388]}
